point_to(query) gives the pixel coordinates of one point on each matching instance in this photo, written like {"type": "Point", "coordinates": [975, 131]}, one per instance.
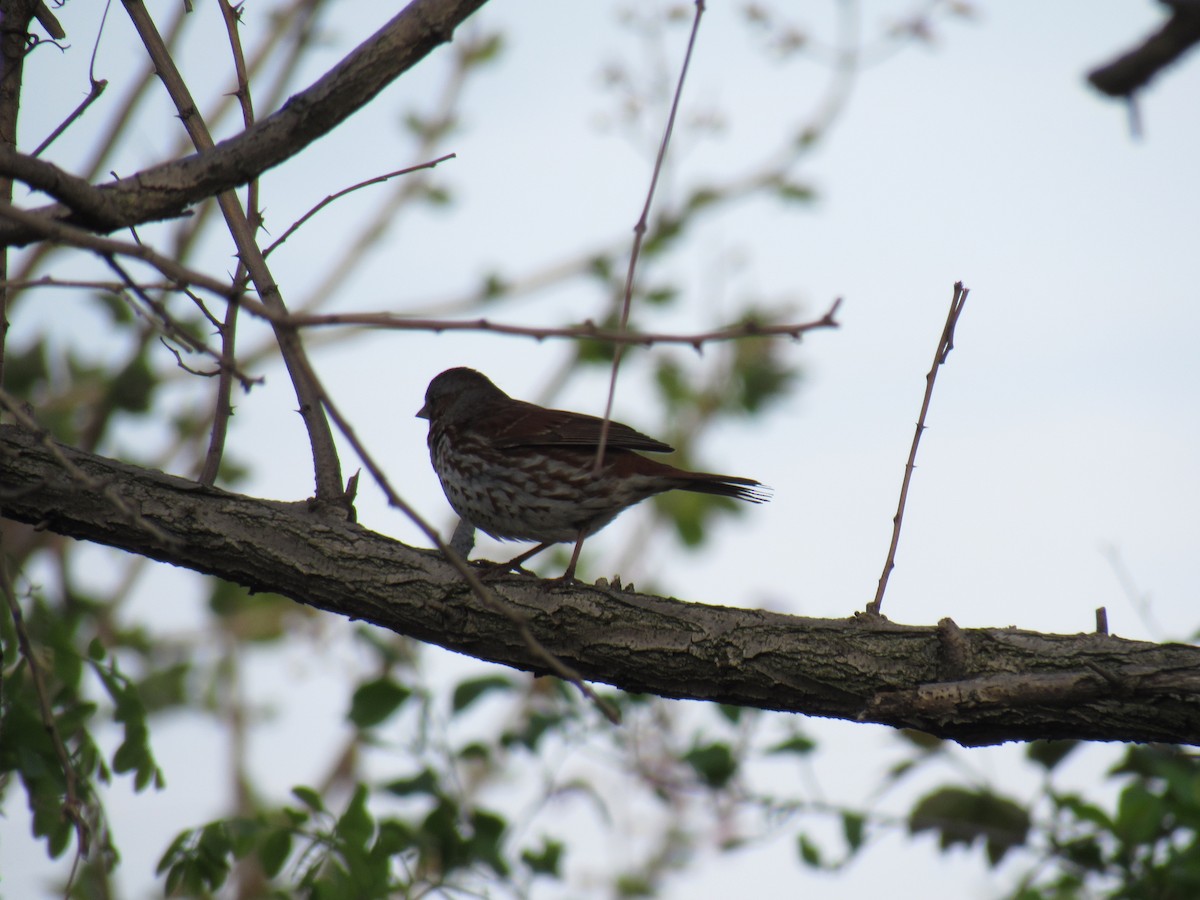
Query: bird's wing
{"type": "Point", "coordinates": [527, 425]}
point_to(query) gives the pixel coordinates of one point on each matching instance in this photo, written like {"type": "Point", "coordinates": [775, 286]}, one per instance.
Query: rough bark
{"type": "Point", "coordinates": [974, 686]}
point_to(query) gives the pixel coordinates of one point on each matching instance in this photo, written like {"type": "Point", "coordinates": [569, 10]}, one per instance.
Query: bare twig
{"type": "Point", "coordinates": [93, 95]}
{"type": "Point", "coordinates": [166, 323]}
{"type": "Point", "coordinates": [354, 187]}
{"type": "Point", "coordinates": [588, 330]}
{"type": "Point", "coordinates": [639, 233]}
{"type": "Point", "coordinates": [222, 407]}
{"type": "Point", "coordinates": [327, 468]}
{"type": "Point", "coordinates": [111, 287]}
{"type": "Point", "coordinates": [438, 116]}
{"type": "Point", "coordinates": [62, 233]}
{"type": "Point", "coordinates": [945, 345]}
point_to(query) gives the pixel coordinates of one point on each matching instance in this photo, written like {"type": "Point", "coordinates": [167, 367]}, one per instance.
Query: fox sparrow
{"type": "Point", "coordinates": [523, 472]}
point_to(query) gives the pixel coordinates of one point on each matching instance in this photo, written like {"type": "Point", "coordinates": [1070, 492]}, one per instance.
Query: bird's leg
{"type": "Point", "coordinates": [569, 575]}
{"type": "Point", "coordinates": [464, 538]}
{"type": "Point", "coordinates": [515, 562]}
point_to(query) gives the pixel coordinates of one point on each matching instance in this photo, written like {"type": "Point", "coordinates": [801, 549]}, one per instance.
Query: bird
{"type": "Point", "coordinates": [522, 472]}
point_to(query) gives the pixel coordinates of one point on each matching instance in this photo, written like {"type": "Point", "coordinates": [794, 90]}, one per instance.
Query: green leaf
{"type": "Point", "coordinates": [690, 512]}
{"type": "Point", "coordinates": [853, 828]}
{"type": "Point", "coordinates": [130, 756]}
{"type": "Point", "coordinates": [165, 688]}
{"type": "Point", "coordinates": [701, 198]}
{"type": "Point", "coordinates": [798, 744]}
{"type": "Point", "coordinates": [244, 834]}
{"type": "Point", "coordinates": [471, 690]}
{"type": "Point", "coordinates": [730, 712]}
{"type": "Point", "coordinates": [592, 352]}
{"type": "Point", "coordinates": [962, 816]}
{"type": "Point", "coordinates": [309, 798]}
{"type": "Point", "coordinates": [476, 52]}
{"type": "Point", "coordinates": [259, 617]}
{"type": "Point", "coordinates": [922, 740]}
{"type": "Point", "coordinates": [24, 369]}
{"type": "Point", "coordinates": [58, 837]}
{"type": "Point", "coordinates": [174, 851]}
{"type": "Point", "coordinates": [600, 267]}
{"type": "Point", "coordinates": [1140, 815]}
{"type": "Point", "coordinates": [476, 751]}
{"type": "Point", "coordinates": [134, 385]}
{"type": "Point", "coordinates": [494, 287]}
{"type": "Point", "coordinates": [1084, 852]}
{"type": "Point", "coordinates": [662, 234]}
{"type": "Point", "coordinates": [424, 782]}
{"type": "Point", "coordinates": [134, 754]}
{"type": "Point", "coordinates": [632, 884]}
{"type": "Point", "coordinates": [356, 827]}
{"type": "Point", "coordinates": [274, 851]}
{"type": "Point", "coordinates": [714, 763]}
{"type": "Point", "coordinates": [1084, 811]}
{"type": "Point", "coordinates": [760, 373]}
{"type": "Point", "coordinates": [375, 700]}
{"type": "Point", "coordinates": [1049, 754]}
{"type": "Point", "coordinates": [547, 860]}
{"type": "Point", "coordinates": [394, 836]}
{"type": "Point", "coordinates": [674, 385]}
{"type": "Point", "coordinates": [537, 725]}
{"type": "Point", "coordinates": [442, 843]}
{"type": "Point", "coordinates": [487, 836]}
{"type": "Point", "coordinates": [810, 853]}
{"type": "Point", "coordinates": [795, 192]}
{"type": "Point", "coordinates": [204, 865]}
{"type": "Point", "coordinates": [660, 296]}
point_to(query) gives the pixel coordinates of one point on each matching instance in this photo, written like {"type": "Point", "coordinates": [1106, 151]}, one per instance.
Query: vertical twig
{"type": "Point", "coordinates": [375, 226]}
{"type": "Point", "coordinates": [327, 468]}
{"type": "Point", "coordinates": [639, 234]}
{"type": "Point", "coordinates": [15, 17]}
{"type": "Point", "coordinates": [945, 345]}
{"type": "Point", "coordinates": [222, 406]}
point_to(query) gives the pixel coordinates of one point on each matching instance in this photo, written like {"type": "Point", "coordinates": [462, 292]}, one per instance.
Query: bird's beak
{"type": "Point", "coordinates": [423, 412]}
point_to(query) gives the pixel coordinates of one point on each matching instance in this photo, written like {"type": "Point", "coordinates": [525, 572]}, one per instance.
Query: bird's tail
{"type": "Point", "coordinates": [725, 486]}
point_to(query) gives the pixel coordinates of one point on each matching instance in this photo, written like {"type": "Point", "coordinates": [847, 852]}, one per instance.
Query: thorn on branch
{"type": "Point", "coordinates": [954, 650]}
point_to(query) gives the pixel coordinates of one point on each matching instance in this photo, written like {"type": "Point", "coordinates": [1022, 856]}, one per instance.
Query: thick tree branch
{"type": "Point", "coordinates": [1132, 71]}
{"type": "Point", "coordinates": [167, 190]}
{"type": "Point", "coordinates": [975, 686]}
